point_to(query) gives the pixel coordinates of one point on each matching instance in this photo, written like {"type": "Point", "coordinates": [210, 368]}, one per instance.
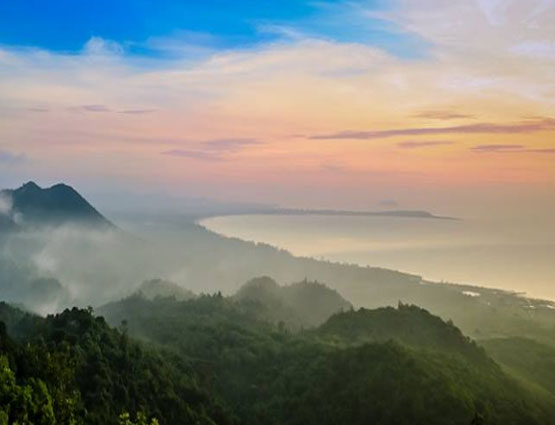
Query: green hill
{"type": "Point", "coordinates": [387, 366]}
{"type": "Point", "coordinates": [527, 359]}
{"type": "Point", "coordinates": [302, 304]}
{"type": "Point", "coordinates": [72, 368]}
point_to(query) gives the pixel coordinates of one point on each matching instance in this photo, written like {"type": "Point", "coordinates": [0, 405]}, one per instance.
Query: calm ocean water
{"type": "Point", "coordinates": [500, 254]}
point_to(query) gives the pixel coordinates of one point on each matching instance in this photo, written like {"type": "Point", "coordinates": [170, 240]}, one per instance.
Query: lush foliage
{"type": "Point", "coordinates": [386, 366]}
{"type": "Point", "coordinates": [528, 359]}
{"type": "Point", "coordinates": [72, 368]}
{"type": "Point", "coordinates": [217, 360]}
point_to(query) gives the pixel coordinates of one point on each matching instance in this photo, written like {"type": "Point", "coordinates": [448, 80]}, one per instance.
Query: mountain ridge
{"type": "Point", "coordinates": [32, 205]}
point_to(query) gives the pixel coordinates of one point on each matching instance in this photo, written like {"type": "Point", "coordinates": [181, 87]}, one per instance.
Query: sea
{"type": "Point", "coordinates": [504, 254]}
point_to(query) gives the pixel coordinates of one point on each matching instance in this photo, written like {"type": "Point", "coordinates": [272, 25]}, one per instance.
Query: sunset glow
{"type": "Point", "coordinates": [431, 100]}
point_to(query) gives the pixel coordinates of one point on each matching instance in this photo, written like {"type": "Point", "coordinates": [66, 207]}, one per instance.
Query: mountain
{"type": "Point", "coordinates": [302, 304]}
{"type": "Point", "coordinates": [159, 288]}
{"type": "Point", "coordinates": [409, 324]}
{"type": "Point", "coordinates": [72, 368]}
{"type": "Point", "coordinates": [6, 224]}
{"type": "Point", "coordinates": [388, 366]}
{"type": "Point", "coordinates": [34, 206]}
{"type": "Point", "coordinates": [529, 360]}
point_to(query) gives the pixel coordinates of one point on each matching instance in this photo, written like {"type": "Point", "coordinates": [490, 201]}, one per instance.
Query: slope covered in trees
{"type": "Point", "coordinates": [387, 366]}
{"type": "Point", "coordinates": [527, 359]}
{"type": "Point", "coordinates": [72, 368]}
{"type": "Point", "coordinates": [301, 304]}
{"type": "Point", "coordinates": [217, 360]}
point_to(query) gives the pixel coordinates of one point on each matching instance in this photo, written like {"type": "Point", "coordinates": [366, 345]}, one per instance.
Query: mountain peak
{"type": "Point", "coordinates": [56, 205]}
{"type": "Point", "coordinates": [30, 185]}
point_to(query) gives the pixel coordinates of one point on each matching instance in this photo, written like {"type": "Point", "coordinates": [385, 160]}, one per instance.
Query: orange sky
{"type": "Point", "coordinates": [304, 121]}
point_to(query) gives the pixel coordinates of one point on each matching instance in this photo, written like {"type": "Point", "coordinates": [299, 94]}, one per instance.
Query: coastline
{"type": "Point", "coordinates": [468, 288]}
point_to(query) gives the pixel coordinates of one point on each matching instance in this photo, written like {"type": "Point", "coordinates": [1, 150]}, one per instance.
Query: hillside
{"type": "Point", "coordinates": [387, 366]}
{"type": "Point", "coordinates": [527, 359]}
{"type": "Point", "coordinates": [72, 368]}
{"type": "Point", "coordinates": [160, 288]}
{"type": "Point", "coordinates": [302, 304]}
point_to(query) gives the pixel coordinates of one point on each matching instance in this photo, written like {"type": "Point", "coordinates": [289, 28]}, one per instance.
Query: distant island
{"type": "Point", "coordinates": [343, 213]}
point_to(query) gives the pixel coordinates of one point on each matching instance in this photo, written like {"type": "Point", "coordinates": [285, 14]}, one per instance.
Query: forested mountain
{"type": "Point", "coordinates": [215, 359]}
{"type": "Point", "coordinates": [387, 366]}
{"type": "Point", "coordinates": [160, 288]}
{"type": "Point", "coordinates": [527, 359]}
{"type": "Point", "coordinates": [302, 304]}
{"type": "Point", "coordinates": [72, 368]}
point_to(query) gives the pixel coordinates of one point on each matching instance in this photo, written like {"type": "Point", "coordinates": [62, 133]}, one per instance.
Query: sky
{"type": "Point", "coordinates": [442, 105]}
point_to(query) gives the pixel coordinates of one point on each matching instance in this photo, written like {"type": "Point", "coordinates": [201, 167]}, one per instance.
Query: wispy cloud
{"type": "Point", "coordinates": [36, 109]}
{"type": "Point", "coordinates": [497, 148]}
{"type": "Point", "coordinates": [229, 145]}
{"type": "Point", "coordinates": [443, 115]}
{"type": "Point", "coordinates": [137, 111]}
{"type": "Point", "coordinates": [388, 203]}
{"type": "Point", "coordinates": [90, 108]}
{"type": "Point", "coordinates": [333, 167]}
{"type": "Point", "coordinates": [423, 144]}
{"type": "Point", "coordinates": [11, 158]}
{"type": "Point", "coordinates": [531, 126]}
{"type": "Point", "coordinates": [194, 154]}
{"type": "Point", "coordinates": [511, 149]}
{"type": "Point", "coordinates": [548, 151]}
{"type": "Point", "coordinates": [214, 150]}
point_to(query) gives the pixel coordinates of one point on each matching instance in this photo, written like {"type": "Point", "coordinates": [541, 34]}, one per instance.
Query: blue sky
{"type": "Point", "coordinates": [66, 25]}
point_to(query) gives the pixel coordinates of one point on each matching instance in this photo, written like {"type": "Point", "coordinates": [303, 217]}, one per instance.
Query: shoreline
{"type": "Point", "coordinates": [462, 287]}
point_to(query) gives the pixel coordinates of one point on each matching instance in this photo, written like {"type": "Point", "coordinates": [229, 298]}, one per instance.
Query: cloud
{"type": "Point", "coordinates": [542, 150]}
{"type": "Point", "coordinates": [137, 111]}
{"type": "Point", "coordinates": [213, 150]}
{"type": "Point", "coordinates": [524, 127]}
{"type": "Point", "coordinates": [333, 168]}
{"type": "Point", "coordinates": [388, 203]}
{"type": "Point", "coordinates": [511, 149]}
{"type": "Point", "coordinates": [229, 145]}
{"type": "Point", "coordinates": [297, 86]}
{"type": "Point", "coordinates": [97, 46]}
{"type": "Point", "coordinates": [423, 144]}
{"type": "Point", "coordinates": [10, 158]}
{"type": "Point", "coordinates": [443, 115]}
{"type": "Point", "coordinates": [94, 108]}
{"type": "Point", "coordinates": [497, 148]}
{"type": "Point", "coordinates": [194, 154]}
{"type": "Point", "coordinates": [36, 109]}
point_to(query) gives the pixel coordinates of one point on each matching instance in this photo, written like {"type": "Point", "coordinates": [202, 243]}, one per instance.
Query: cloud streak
{"type": "Point", "coordinates": [443, 115]}
{"type": "Point", "coordinates": [214, 150]}
{"type": "Point", "coordinates": [510, 149]}
{"type": "Point", "coordinates": [11, 158]}
{"type": "Point", "coordinates": [229, 145]}
{"type": "Point", "coordinates": [194, 154]}
{"type": "Point", "coordinates": [524, 127]}
{"type": "Point", "coordinates": [137, 111]}
{"type": "Point", "coordinates": [423, 144]}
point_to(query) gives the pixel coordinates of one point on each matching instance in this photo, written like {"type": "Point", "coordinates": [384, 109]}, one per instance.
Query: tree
{"type": "Point", "coordinates": [125, 419]}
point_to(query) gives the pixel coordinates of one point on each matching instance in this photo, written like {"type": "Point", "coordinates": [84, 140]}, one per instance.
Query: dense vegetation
{"type": "Point", "coordinates": [73, 368]}
{"type": "Point", "coordinates": [302, 304]}
{"type": "Point", "coordinates": [530, 360]}
{"type": "Point", "coordinates": [386, 366]}
{"type": "Point", "coordinates": [212, 359]}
